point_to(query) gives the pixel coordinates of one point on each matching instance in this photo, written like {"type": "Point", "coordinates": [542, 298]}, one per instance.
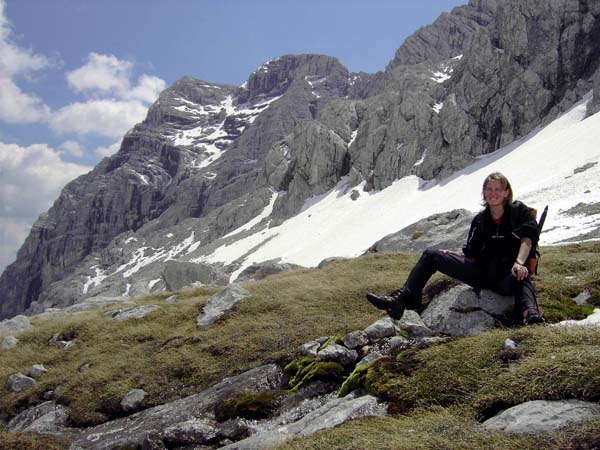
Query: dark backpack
{"type": "Point", "coordinates": [535, 256]}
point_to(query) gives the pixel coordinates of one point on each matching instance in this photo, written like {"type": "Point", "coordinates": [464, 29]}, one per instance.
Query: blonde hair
{"type": "Point", "coordinates": [497, 176]}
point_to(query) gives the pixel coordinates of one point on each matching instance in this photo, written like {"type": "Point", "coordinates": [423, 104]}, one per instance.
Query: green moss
{"type": "Point", "coordinates": [309, 369]}
{"type": "Point", "coordinates": [354, 381]}
{"type": "Point", "coordinates": [248, 405]}
{"type": "Point", "coordinates": [331, 340]}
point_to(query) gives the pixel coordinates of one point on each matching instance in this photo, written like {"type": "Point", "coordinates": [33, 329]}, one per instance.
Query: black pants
{"type": "Point", "coordinates": [471, 273]}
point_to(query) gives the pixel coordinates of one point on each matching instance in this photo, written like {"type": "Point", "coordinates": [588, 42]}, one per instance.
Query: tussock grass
{"type": "Point", "coordinates": [30, 441]}
{"type": "Point", "coordinates": [441, 390]}
{"type": "Point", "coordinates": [167, 356]}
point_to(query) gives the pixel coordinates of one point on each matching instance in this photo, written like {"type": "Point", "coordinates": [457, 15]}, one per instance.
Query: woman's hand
{"type": "Point", "coordinates": [519, 271]}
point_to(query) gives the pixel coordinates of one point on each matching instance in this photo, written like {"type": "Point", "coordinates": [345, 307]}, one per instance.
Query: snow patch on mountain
{"type": "Point", "coordinates": [538, 166]}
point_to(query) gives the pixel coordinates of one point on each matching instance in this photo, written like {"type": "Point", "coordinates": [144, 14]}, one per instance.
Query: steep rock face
{"type": "Point", "coordinates": [200, 148]}
{"type": "Point", "coordinates": [446, 37]}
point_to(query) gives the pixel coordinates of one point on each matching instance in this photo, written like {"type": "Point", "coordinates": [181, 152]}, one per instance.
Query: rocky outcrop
{"type": "Point", "coordinates": [134, 430]}
{"type": "Point", "coordinates": [45, 418]}
{"type": "Point", "coordinates": [541, 416]}
{"type": "Point", "coordinates": [440, 231]}
{"type": "Point", "coordinates": [462, 312]}
{"type": "Point", "coordinates": [14, 326]}
{"type": "Point", "coordinates": [217, 305]}
{"type": "Point", "coordinates": [262, 270]}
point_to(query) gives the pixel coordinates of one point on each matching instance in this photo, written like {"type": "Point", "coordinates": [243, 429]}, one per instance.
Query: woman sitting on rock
{"type": "Point", "coordinates": [501, 239]}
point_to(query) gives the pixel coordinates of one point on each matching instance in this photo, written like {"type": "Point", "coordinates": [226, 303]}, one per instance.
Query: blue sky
{"type": "Point", "coordinates": [75, 75]}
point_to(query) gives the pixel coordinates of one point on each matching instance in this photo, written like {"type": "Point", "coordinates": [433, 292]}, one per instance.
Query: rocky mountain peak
{"type": "Point", "coordinates": [274, 77]}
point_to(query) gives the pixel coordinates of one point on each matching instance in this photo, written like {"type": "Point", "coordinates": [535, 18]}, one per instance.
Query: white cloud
{"type": "Point", "coordinates": [111, 118]}
{"type": "Point", "coordinates": [147, 89]}
{"type": "Point", "coordinates": [72, 148]}
{"type": "Point", "coordinates": [114, 104]}
{"type": "Point", "coordinates": [17, 106]}
{"type": "Point", "coordinates": [104, 74]}
{"type": "Point", "coordinates": [30, 179]}
{"type": "Point", "coordinates": [108, 151]}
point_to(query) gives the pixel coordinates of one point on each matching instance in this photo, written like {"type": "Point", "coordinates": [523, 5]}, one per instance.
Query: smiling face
{"type": "Point", "coordinates": [494, 193]}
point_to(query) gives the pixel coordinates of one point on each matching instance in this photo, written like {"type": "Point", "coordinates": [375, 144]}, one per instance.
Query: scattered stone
{"type": "Point", "coordinates": [541, 416]}
{"type": "Point", "coordinates": [133, 400]}
{"type": "Point", "coordinates": [133, 429]}
{"type": "Point", "coordinates": [9, 342]}
{"type": "Point", "coordinates": [18, 382]}
{"type": "Point", "coordinates": [337, 353]}
{"type": "Point", "coordinates": [46, 418]}
{"type": "Point", "coordinates": [355, 339]}
{"type": "Point", "coordinates": [137, 312]}
{"type": "Point", "coordinates": [171, 299]}
{"type": "Point", "coordinates": [412, 323]}
{"type": "Point", "coordinates": [328, 261]}
{"type": "Point", "coordinates": [510, 345]}
{"type": "Point", "coordinates": [84, 367]}
{"type": "Point", "coordinates": [14, 326]}
{"type": "Point", "coordinates": [193, 431]}
{"type": "Point", "coordinates": [217, 305]}
{"type": "Point", "coordinates": [36, 371]}
{"type": "Point", "coordinates": [397, 343]}
{"type": "Point", "coordinates": [382, 328]}
{"type": "Point", "coordinates": [310, 349]}
{"type": "Point", "coordinates": [461, 312]}
{"type": "Point", "coordinates": [582, 298]}
{"type": "Point", "coordinates": [56, 342]}
{"type": "Point", "coordinates": [262, 270]}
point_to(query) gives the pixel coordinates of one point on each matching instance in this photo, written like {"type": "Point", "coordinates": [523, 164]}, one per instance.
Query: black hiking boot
{"type": "Point", "coordinates": [533, 317]}
{"type": "Point", "coordinates": [394, 303]}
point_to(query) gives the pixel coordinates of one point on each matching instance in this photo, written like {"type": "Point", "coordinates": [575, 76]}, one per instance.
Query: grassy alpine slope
{"type": "Point", "coordinates": [438, 392]}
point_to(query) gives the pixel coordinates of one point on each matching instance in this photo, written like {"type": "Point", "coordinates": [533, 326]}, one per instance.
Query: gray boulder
{"type": "Point", "coordinates": [541, 416]}
{"type": "Point", "coordinates": [45, 418]}
{"type": "Point", "coordinates": [381, 329]}
{"type": "Point", "coordinates": [461, 312]}
{"type": "Point", "coordinates": [413, 324]}
{"type": "Point", "coordinates": [134, 429]}
{"type": "Point", "coordinates": [8, 342]}
{"type": "Point", "coordinates": [439, 231]}
{"type": "Point", "coordinates": [337, 353]}
{"type": "Point", "coordinates": [136, 312]}
{"type": "Point", "coordinates": [355, 339]}
{"type": "Point", "coordinates": [14, 326]}
{"type": "Point", "coordinates": [264, 269]}
{"type": "Point", "coordinates": [18, 382]}
{"type": "Point", "coordinates": [179, 274]}
{"type": "Point", "coordinates": [217, 305]}
{"type": "Point", "coordinates": [310, 349]}
{"type": "Point", "coordinates": [36, 371]}
{"type": "Point", "coordinates": [133, 400]}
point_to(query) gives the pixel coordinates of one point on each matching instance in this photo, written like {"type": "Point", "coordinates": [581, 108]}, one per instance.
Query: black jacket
{"type": "Point", "coordinates": [498, 245]}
